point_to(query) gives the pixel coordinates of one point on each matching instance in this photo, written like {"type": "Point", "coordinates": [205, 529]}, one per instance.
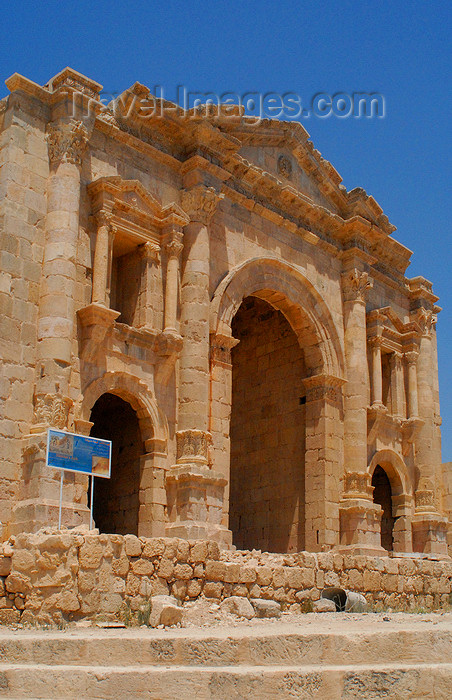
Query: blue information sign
{"type": "Point", "coordinates": [77, 453]}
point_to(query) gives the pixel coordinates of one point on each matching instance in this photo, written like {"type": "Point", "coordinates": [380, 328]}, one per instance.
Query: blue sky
{"type": "Point", "coordinates": [398, 49]}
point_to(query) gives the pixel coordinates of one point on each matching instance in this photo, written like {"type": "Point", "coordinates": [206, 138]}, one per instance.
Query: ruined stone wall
{"type": "Point", "coordinates": [49, 578]}
{"type": "Point", "coordinates": [267, 432]}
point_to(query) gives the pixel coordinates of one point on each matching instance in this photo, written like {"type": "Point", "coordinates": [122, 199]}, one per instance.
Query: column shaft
{"type": "Point", "coordinates": [101, 263]}
{"type": "Point", "coordinates": [377, 385]}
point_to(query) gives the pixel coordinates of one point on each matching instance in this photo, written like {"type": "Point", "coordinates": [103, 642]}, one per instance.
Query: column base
{"type": "Point", "coordinates": [195, 503]}
{"type": "Point", "coordinates": [33, 514]}
{"type": "Point", "coordinates": [360, 521]}
{"type": "Point", "coordinates": [430, 534]}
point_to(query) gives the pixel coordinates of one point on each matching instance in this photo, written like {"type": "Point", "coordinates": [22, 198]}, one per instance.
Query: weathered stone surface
{"type": "Point", "coordinates": [164, 611]}
{"type": "Point", "coordinates": [323, 605]}
{"type": "Point", "coordinates": [266, 608]}
{"type": "Point", "coordinates": [238, 606]}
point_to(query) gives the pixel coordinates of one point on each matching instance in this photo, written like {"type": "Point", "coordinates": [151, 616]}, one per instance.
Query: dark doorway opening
{"type": "Point", "coordinates": [383, 496]}
{"type": "Point", "coordinates": [116, 500]}
{"type": "Point", "coordinates": [268, 428]}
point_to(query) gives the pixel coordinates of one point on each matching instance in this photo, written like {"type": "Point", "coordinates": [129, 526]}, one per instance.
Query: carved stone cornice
{"type": "Point", "coordinates": [67, 141]}
{"type": "Point", "coordinates": [200, 203]}
{"type": "Point", "coordinates": [355, 285]}
{"type": "Point", "coordinates": [375, 341]}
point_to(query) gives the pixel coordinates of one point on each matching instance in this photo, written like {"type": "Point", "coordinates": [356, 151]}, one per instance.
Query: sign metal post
{"type": "Point", "coordinates": [81, 454]}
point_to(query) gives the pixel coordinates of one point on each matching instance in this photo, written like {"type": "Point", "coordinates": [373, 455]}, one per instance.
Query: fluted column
{"type": "Point", "coordinates": [195, 491]}
{"type": "Point", "coordinates": [199, 203]}
{"type": "Point", "coordinates": [355, 285]}
{"type": "Point", "coordinates": [377, 380]}
{"type": "Point", "coordinates": [411, 359]}
{"type": "Point", "coordinates": [103, 258]}
{"type": "Point", "coordinates": [67, 141]}
{"type": "Point", "coordinates": [359, 516]}
{"type": "Point", "coordinates": [429, 526]}
{"type": "Point", "coordinates": [173, 246]}
{"type": "Point", "coordinates": [397, 384]}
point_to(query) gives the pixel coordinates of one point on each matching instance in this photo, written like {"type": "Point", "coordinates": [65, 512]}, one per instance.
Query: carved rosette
{"type": "Point", "coordinates": [200, 203]}
{"type": "Point", "coordinates": [52, 410]}
{"type": "Point", "coordinates": [193, 446]}
{"type": "Point", "coordinates": [358, 485]}
{"type": "Point", "coordinates": [355, 285]}
{"type": "Point", "coordinates": [67, 142]}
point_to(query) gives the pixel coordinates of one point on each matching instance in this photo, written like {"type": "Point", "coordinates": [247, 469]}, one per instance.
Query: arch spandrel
{"type": "Point", "coordinates": [286, 288]}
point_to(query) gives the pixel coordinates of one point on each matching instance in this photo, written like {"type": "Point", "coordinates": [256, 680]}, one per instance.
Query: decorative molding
{"type": "Point", "coordinates": [355, 285]}
{"type": "Point", "coordinates": [193, 446]}
{"type": "Point", "coordinates": [67, 141]}
{"type": "Point", "coordinates": [200, 203]}
{"type": "Point", "coordinates": [150, 252]}
{"type": "Point", "coordinates": [358, 485]}
{"type": "Point", "coordinates": [425, 319]}
{"type": "Point", "coordinates": [52, 410]}
{"type": "Point", "coordinates": [220, 348]}
{"type": "Point", "coordinates": [411, 357]}
{"type": "Point", "coordinates": [322, 387]}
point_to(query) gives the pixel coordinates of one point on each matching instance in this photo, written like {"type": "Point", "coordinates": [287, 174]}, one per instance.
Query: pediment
{"type": "Point", "coordinates": [131, 198]}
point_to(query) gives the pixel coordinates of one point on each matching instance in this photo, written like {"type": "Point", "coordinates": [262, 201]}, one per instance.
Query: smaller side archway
{"type": "Point", "coordinates": [146, 444]}
{"type": "Point", "coordinates": [393, 492]}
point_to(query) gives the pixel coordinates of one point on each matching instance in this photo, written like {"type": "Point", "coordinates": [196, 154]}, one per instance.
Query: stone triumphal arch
{"type": "Point", "coordinates": [204, 291]}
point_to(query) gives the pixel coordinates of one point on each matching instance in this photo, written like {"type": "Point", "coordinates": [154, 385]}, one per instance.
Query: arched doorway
{"type": "Point", "coordinates": [116, 500]}
{"type": "Point", "coordinates": [383, 496]}
{"type": "Point", "coordinates": [267, 467]}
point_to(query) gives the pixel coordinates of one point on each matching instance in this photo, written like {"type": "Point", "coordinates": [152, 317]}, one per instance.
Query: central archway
{"type": "Point", "coordinates": [268, 431]}
{"type": "Point", "coordinates": [291, 296]}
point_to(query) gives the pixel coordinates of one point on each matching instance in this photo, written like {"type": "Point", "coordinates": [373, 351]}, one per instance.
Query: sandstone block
{"type": "Point", "coordinates": [213, 589]}
{"type": "Point", "coordinates": [198, 552]}
{"type": "Point", "coordinates": [194, 588]}
{"type": "Point", "coordinates": [9, 617]}
{"type": "Point", "coordinates": [323, 605]}
{"type": "Point", "coordinates": [164, 611]}
{"type": "Point", "coordinates": [91, 553]}
{"type": "Point", "coordinates": [239, 606]}
{"type": "Point", "coordinates": [5, 566]}
{"type": "Point", "coordinates": [266, 608]}
{"type": "Point", "coordinates": [154, 547]}
{"type": "Point", "coordinates": [143, 567]}
{"type": "Point", "coordinates": [183, 572]}
{"type": "Point", "coordinates": [132, 546]}
{"type": "Point", "coordinates": [165, 568]}
{"type": "Point", "coordinates": [215, 571]}
{"type": "Point", "coordinates": [264, 575]}
{"type": "Point", "coordinates": [18, 583]}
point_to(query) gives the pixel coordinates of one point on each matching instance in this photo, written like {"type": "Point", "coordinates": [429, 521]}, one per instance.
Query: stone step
{"type": "Point", "coordinates": [278, 644]}
{"type": "Point", "coordinates": [324, 682]}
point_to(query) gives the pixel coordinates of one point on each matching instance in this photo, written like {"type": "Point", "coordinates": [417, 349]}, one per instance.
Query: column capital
{"type": "Point", "coordinates": [173, 243]}
{"type": "Point", "coordinates": [425, 319]}
{"type": "Point", "coordinates": [395, 359]}
{"type": "Point", "coordinates": [193, 446]}
{"type": "Point", "coordinates": [200, 203]}
{"type": "Point", "coordinates": [104, 218]}
{"type": "Point", "coordinates": [67, 141]}
{"type": "Point", "coordinates": [52, 410]}
{"type": "Point", "coordinates": [375, 341]}
{"type": "Point", "coordinates": [149, 252]}
{"type": "Point", "coordinates": [411, 357]}
{"type": "Point", "coordinates": [355, 285]}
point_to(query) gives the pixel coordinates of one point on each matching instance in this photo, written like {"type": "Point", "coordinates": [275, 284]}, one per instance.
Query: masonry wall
{"type": "Point", "coordinates": [267, 502]}
{"type": "Point", "coordinates": [49, 578]}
